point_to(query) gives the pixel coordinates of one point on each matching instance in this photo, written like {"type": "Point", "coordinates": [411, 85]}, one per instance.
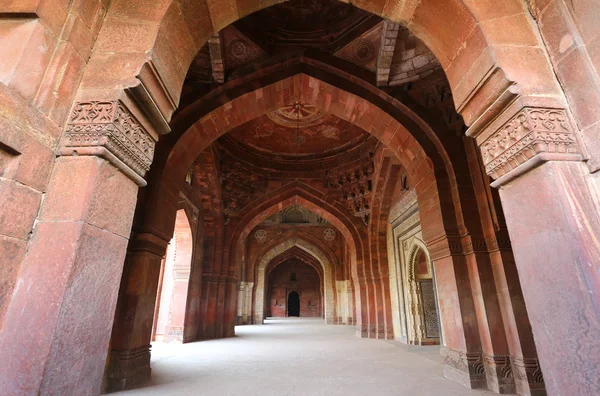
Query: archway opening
{"type": "Point", "coordinates": [293, 304]}
{"type": "Point", "coordinates": [322, 125]}
{"type": "Point", "coordinates": [171, 298]}
{"type": "Point", "coordinates": [295, 275]}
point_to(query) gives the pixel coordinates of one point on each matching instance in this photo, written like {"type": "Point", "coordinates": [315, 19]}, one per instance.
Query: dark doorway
{"type": "Point", "coordinates": [294, 304]}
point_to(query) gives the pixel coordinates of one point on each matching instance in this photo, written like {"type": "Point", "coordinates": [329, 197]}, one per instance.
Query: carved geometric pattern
{"type": "Point", "coordinates": [463, 363]}
{"type": "Point", "coordinates": [528, 370]}
{"type": "Point", "coordinates": [364, 51]}
{"type": "Point", "coordinates": [110, 125]}
{"type": "Point", "coordinates": [530, 132]}
{"type": "Point", "coordinates": [239, 49]}
{"type": "Point", "coordinates": [499, 367]}
{"type": "Point", "coordinates": [329, 234]}
{"type": "Point", "coordinates": [260, 235]}
{"type": "Point", "coordinates": [429, 310]}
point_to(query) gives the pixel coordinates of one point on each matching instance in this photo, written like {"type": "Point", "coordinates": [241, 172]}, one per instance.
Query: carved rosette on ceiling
{"type": "Point", "coordinates": [363, 51]}
{"type": "Point", "coordinates": [297, 115]}
{"type": "Point", "coordinates": [357, 187]}
{"type": "Point", "coordinates": [530, 132]}
{"type": "Point", "coordinates": [109, 130]}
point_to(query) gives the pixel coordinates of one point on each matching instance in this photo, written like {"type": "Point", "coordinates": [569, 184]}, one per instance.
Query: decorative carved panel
{"type": "Point", "coordinates": [530, 132]}
{"type": "Point", "coordinates": [239, 183]}
{"type": "Point", "coordinates": [109, 125]}
{"type": "Point", "coordinates": [356, 184]}
{"type": "Point", "coordinates": [430, 316]}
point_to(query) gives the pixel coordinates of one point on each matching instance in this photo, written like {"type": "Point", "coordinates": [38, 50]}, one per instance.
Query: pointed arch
{"type": "Point", "coordinates": [326, 265]}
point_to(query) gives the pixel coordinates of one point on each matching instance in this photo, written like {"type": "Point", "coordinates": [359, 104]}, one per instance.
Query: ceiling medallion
{"type": "Point", "coordinates": [238, 48]}
{"type": "Point", "coordinates": [363, 51]}
{"type": "Point", "coordinates": [297, 115]}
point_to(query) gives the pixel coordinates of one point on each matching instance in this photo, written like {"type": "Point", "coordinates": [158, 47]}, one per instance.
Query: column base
{"type": "Point", "coordinates": [128, 369]}
{"type": "Point", "coordinates": [374, 331]}
{"type": "Point", "coordinates": [527, 373]}
{"type": "Point", "coordinates": [498, 370]}
{"type": "Point", "coordinates": [466, 369]}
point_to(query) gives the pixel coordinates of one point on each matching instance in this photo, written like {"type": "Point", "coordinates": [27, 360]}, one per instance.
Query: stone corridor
{"type": "Point", "coordinates": [290, 356]}
{"type": "Point", "coordinates": [396, 174]}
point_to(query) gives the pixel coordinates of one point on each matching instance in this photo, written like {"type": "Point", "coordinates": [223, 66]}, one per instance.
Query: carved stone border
{"type": "Point", "coordinates": [528, 375]}
{"type": "Point", "coordinates": [499, 374]}
{"type": "Point", "coordinates": [109, 130]}
{"type": "Point", "coordinates": [465, 368]}
{"type": "Point", "coordinates": [527, 133]}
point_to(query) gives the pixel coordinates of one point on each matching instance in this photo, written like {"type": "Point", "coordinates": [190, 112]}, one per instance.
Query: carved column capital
{"type": "Point", "coordinates": [109, 130]}
{"type": "Point", "coordinates": [524, 136]}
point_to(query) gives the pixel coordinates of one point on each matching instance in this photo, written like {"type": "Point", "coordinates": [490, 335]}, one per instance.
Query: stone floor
{"type": "Point", "coordinates": [297, 357]}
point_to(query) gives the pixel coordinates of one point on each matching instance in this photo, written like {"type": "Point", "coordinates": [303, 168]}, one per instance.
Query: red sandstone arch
{"type": "Point", "coordinates": [463, 34]}
{"type": "Point", "coordinates": [297, 193]}
{"type": "Point", "coordinates": [346, 106]}
{"type": "Point", "coordinates": [306, 258]}
{"type": "Point", "coordinates": [278, 253]}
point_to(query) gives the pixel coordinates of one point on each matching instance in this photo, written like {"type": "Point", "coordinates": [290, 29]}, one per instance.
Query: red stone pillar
{"type": "Point", "coordinates": [230, 306]}
{"type": "Point", "coordinates": [463, 361]}
{"type": "Point", "coordinates": [57, 328]}
{"type": "Point", "coordinates": [361, 306]}
{"type": "Point", "coordinates": [552, 213]}
{"type": "Point", "coordinates": [129, 360]}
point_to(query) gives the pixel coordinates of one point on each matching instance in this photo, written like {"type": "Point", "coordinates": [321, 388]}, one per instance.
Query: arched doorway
{"type": "Point", "coordinates": [171, 298]}
{"type": "Point", "coordinates": [297, 273]}
{"type": "Point", "coordinates": [293, 304]}
{"type": "Point", "coordinates": [421, 285]}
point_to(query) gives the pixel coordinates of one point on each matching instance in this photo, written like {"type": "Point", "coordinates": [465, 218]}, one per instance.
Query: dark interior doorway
{"type": "Point", "coordinates": [293, 304]}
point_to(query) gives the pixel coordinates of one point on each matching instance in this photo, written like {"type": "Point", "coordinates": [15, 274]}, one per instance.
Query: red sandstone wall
{"type": "Point", "coordinates": [308, 285]}
{"type": "Point", "coordinates": [278, 233]}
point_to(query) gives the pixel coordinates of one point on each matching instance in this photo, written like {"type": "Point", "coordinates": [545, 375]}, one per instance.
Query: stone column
{"type": "Point", "coordinates": [552, 212]}
{"type": "Point", "coordinates": [129, 361]}
{"type": "Point", "coordinates": [462, 350]}
{"type": "Point", "coordinates": [57, 328]}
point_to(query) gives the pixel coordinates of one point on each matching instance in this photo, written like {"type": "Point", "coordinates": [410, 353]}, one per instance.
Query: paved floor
{"type": "Point", "coordinates": [297, 357]}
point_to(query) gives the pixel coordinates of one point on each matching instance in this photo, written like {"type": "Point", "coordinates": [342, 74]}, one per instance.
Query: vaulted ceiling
{"type": "Point", "coordinates": [388, 50]}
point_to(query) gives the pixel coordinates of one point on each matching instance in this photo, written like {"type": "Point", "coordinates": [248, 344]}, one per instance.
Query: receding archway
{"type": "Point", "coordinates": [171, 299]}
{"type": "Point", "coordinates": [261, 278]}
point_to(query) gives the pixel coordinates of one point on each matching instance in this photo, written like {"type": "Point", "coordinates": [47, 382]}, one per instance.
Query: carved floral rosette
{"type": "Point", "coordinates": [111, 126]}
{"type": "Point", "coordinates": [530, 132]}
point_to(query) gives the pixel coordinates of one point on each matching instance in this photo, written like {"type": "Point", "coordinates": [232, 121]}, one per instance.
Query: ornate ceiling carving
{"type": "Point", "coordinates": [350, 33]}
{"type": "Point", "coordinates": [297, 132]}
